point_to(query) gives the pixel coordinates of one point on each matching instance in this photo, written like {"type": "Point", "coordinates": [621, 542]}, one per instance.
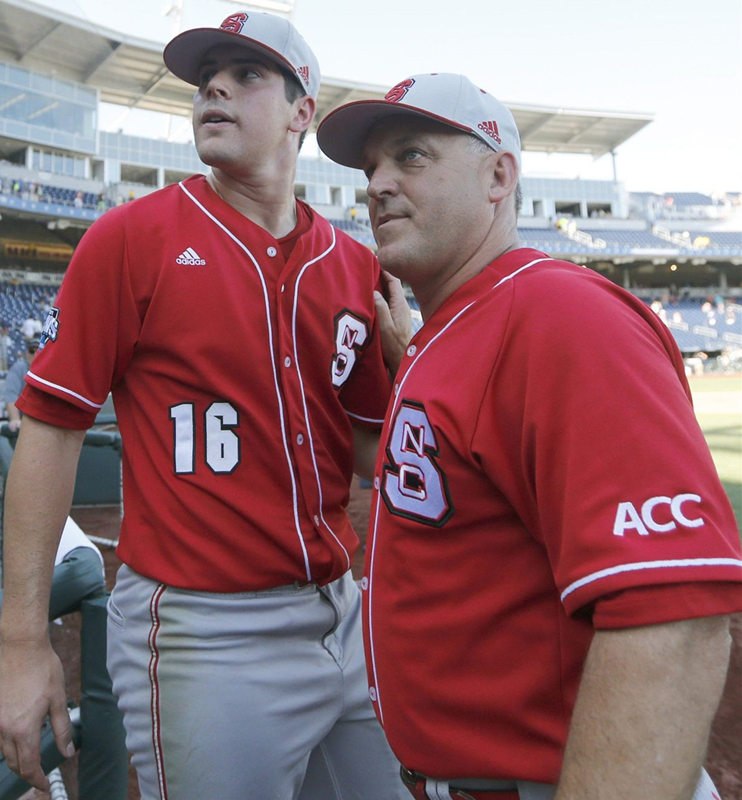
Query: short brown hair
{"type": "Point", "coordinates": [482, 147]}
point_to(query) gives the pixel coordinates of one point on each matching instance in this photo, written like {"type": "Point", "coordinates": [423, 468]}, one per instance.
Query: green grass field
{"type": "Point", "coordinates": [718, 403]}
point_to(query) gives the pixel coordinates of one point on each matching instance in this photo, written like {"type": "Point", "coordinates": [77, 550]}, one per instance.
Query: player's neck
{"type": "Point", "coordinates": [431, 294]}
{"type": "Point", "coordinates": [268, 203]}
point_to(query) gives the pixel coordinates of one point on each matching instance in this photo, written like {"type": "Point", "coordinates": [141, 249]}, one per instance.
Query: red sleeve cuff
{"type": "Point", "coordinates": [50, 409]}
{"type": "Point", "coordinates": [651, 605]}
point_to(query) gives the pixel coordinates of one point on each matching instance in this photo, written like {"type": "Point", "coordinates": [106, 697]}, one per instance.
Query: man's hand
{"type": "Point", "coordinates": [31, 686]}
{"type": "Point", "coordinates": [395, 324]}
{"type": "Point", "coordinates": [14, 417]}
{"type": "Point", "coordinates": [38, 494]}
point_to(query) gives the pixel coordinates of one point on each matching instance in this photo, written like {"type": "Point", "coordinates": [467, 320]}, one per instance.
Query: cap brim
{"type": "Point", "coordinates": [343, 132]}
{"type": "Point", "coordinates": [184, 54]}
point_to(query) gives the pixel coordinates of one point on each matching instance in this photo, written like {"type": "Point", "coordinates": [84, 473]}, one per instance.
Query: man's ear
{"type": "Point", "coordinates": [304, 109]}
{"type": "Point", "coordinates": [504, 176]}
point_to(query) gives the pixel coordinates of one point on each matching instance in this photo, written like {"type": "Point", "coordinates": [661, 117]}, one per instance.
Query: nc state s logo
{"type": "Point", "coordinates": [234, 23]}
{"type": "Point", "coordinates": [396, 93]}
{"type": "Point", "coordinates": [351, 336]}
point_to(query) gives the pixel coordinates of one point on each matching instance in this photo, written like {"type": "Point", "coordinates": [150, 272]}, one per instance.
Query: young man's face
{"type": "Point", "coordinates": [241, 116]}
{"type": "Point", "coordinates": [428, 198]}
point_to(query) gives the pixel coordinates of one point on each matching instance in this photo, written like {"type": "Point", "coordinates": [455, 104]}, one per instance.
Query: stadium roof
{"type": "Point", "coordinates": [130, 72]}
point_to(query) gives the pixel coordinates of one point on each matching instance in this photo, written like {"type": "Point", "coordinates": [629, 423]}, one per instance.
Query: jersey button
{"type": "Point", "coordinates": [411, 350]}
{"type": "Point", "coordinates": [300, 438]}
{"type": "Point", "coordinates": [364, 583]}
{"type": "Point", "coordinates": [396, 388]}
{"type": "Point", "coordinates": [372, 693]}
{"type": "Point", "coordinates": [376, 483]}
{"type": "Point", "coordinates": [287, 361]}
{"type": "Point", "coordinates": [316, 520]}
{"type": "Point", "coordinates": [271, 251]}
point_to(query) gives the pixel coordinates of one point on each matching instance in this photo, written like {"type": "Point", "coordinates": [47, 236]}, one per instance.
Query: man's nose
{"type": "Point", "coordinates": [217, 84]}
{"type": "Point", "coordinates": [382, 182]}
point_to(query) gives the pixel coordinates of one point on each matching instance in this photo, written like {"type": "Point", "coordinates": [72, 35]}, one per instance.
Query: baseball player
{"type": "Point", "coordinates": [237, 330]}
{"type": "Point", "coordinates": [551, 556]}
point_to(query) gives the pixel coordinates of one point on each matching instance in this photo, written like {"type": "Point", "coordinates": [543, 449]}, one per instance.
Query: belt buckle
{"type": "Point", "coordinates": [409, 778]}
{"type": "Point", "coordinates": [415, 782]}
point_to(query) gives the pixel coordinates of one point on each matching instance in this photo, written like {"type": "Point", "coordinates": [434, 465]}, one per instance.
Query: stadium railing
{"type": "Point", "coordinates": [98, 732]}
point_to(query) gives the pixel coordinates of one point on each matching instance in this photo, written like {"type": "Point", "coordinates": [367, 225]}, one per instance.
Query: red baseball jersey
{"type": "Point", "coordinates": [541, 474]}
{"type": "Point", "coordinates": [236, 373]}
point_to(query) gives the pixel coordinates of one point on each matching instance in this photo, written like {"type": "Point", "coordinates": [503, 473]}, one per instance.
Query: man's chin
{"type": "Point", "coordinates": [391, 259]}
{"type": "Point", "coordinates": [213, 154]}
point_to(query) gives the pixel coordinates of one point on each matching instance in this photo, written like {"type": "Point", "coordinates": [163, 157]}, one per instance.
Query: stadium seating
{"type": "Point", "coordinates": [707, 326]}
{"type": "Point", "coordinates": [360, 232]}
{"type": "Point", "coordinates": [18, 301]}
{"type": "Point", "coordinates": [48, 193]}
{"type": "Point", "coordinates": [549, 240]}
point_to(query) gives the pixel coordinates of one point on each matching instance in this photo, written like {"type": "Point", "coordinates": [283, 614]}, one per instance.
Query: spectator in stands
{"type": "Point", "coordinates": [240, 336]}
{"type": "Point", "coordinates": [14, 383]}
{"type": "Point", "coordinates": [30, 328]}
{"type": "Point", "coordinates": [5, 344]}
{"type": "Point", "coordinates": [551, 555]}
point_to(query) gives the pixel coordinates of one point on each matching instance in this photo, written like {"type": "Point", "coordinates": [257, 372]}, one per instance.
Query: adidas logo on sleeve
{"type": "Point", "coordinates": [191, 257]}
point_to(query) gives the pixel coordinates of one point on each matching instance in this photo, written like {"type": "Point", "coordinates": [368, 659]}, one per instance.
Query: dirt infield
{"type": "Point", "coordinates": [724, 761]}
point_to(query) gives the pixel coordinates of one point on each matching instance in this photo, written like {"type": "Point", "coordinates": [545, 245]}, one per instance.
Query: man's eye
{"type": "Point", "coordinates": [248, 73]}
{"type": "Point", "coordinates": [411, 155]}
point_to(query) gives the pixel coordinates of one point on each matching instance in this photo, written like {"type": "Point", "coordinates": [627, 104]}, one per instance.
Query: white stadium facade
{"type": "Point", "coordinates": [59, 171]}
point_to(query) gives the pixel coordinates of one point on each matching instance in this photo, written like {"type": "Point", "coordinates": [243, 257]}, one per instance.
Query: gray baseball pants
{"type": "Point", "coordinates": [249, 696]}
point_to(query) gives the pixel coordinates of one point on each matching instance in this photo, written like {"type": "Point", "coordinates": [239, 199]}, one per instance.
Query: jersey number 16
{"type": "Point", "coordinates": [222, 443]}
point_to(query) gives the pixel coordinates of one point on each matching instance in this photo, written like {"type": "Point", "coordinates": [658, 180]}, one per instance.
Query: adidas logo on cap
{"type": "Point", "coordinates": [191, 257]}
{"type": "Point", "coordinates": [490, 128]}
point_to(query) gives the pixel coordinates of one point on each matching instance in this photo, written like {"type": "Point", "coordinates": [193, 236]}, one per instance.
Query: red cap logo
{"type": "Point", "coordinates": [303, 73]}
{"type": "Point", "coordinates": [396, 93]}
{"type": "Point", "coordinates": [234, 23]}
{"type": "Point", "coordinates": [490, 128]}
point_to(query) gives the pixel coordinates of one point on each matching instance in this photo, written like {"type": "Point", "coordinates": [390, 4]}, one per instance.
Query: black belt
{"type": "Point", "coordinates": [412, 779]}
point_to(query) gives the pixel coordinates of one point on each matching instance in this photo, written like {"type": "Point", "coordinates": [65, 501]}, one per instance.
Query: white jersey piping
{"type": "Point", "coordinates": [398, 393]}
{"type": "Point", "coordinates": [51, 385]}
{"type": "Point", "coordinates": [642, 565]}
{"type": "Point", "coordinates": [370, 607]}
{"type": "Point", "coordinates": [364, 419]}
{"type": "Point", "coordinates": [310, 437]}
{"type": "Point", "coordinates": [276, 386]}
{"type": "Point", "coordinates": [451, 322]}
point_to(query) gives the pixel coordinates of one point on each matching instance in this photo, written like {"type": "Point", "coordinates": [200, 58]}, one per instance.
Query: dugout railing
{"type": "Point", "coordinates": [102, 770]}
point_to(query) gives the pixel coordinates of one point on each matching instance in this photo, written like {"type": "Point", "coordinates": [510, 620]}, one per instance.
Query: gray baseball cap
{"type": "Point", "coordinates": [273, 36]}
{"type": "Point", "coordinates": [444, 97]}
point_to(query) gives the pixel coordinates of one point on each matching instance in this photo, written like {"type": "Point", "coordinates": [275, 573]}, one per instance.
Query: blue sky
{"type": "Point", "coordinates": [680, 60]}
